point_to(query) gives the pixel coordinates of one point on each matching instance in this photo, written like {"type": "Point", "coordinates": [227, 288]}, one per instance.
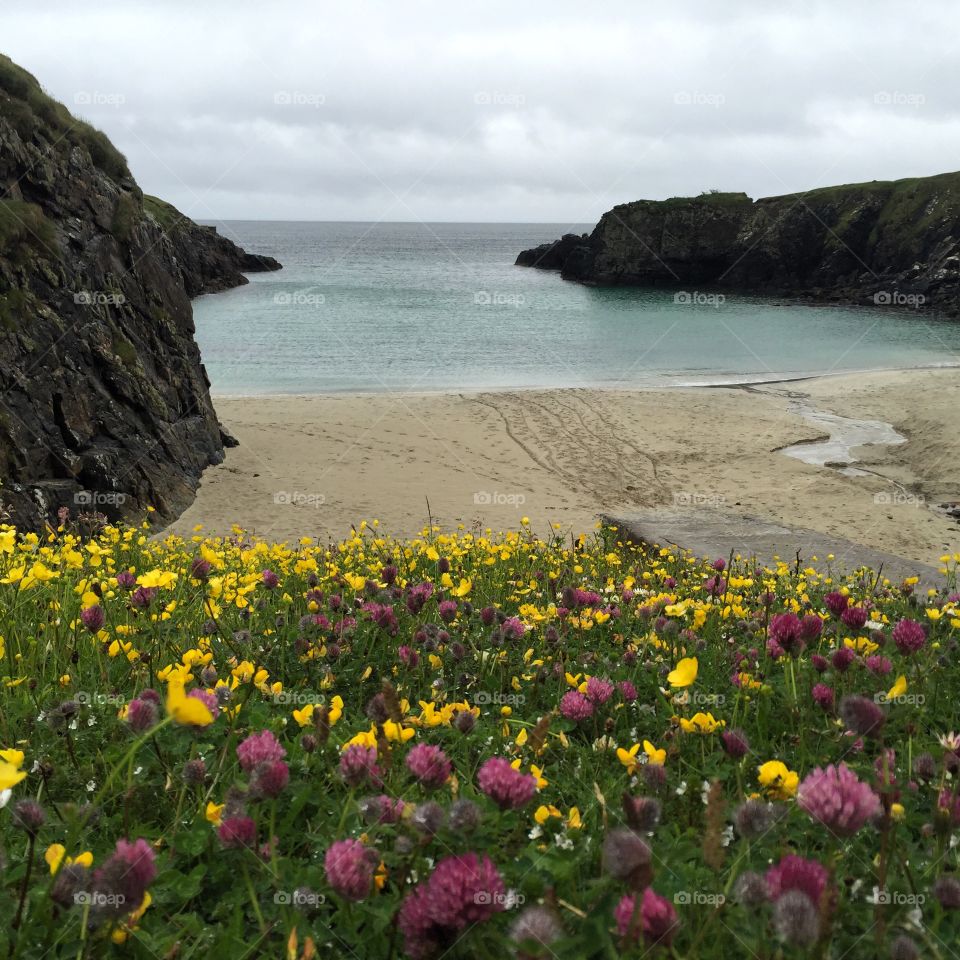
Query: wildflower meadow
{"type": "Point", "coordinates": [470, 746]}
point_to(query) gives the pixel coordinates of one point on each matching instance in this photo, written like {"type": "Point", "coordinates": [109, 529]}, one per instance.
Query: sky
{"type": "Point", "coordinates": [497, 111]}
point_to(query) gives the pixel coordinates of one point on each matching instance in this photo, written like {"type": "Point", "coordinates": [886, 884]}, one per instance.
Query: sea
{"type": "Point", "coordinates": [370, 307]}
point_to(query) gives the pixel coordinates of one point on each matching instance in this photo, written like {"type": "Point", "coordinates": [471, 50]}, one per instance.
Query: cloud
{"type": "Point", "coordinates": [541, 111]}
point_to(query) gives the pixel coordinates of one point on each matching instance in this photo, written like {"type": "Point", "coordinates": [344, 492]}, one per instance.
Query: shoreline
{"type": "Point", "coordinates": [314, 465]}
{"type": "Point", "coordinates": [748, 381]}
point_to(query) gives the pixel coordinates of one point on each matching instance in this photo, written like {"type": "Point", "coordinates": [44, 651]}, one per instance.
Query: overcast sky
{"type": "Point", "coordinates": [535, 111]}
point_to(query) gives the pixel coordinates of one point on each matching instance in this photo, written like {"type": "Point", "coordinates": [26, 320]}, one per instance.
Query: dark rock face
{"type": "Point", "coordinates": [207, 261]}
{"type": "Point", "coordinates": [104, 402]}
{"type": "Point", "coordinates": [885, 243]}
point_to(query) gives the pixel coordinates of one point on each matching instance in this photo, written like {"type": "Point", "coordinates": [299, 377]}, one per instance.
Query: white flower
{"type": "Point", "coordinates": [682, 789]}
{"type": "Point", "coordinates": [564, 842]}
{"type": "Point", "coordinates": [950, 741]}
{"type": "Point", "coordinates": [5, 796]}
{"type": "Point", "coordinates": [91, 786]}
{"type": "Point", "coordinates": [536, 832]}
{"type": "Point", "coordinates": [727, 836]}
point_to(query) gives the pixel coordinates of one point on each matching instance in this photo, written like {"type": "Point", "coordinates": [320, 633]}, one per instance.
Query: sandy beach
{"type": "Point", "coordinates": [314, 466]}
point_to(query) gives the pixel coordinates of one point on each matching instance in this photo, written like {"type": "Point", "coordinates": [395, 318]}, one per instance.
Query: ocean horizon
{"type": "Point", "coordinates": [368, 307]}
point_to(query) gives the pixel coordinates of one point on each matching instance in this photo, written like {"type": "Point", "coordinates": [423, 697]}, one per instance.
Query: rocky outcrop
{"type": "Point", "coordinates": [207, 261]}
{"type": "Point", "coordinates": [104, 402]}
{"type": "Point", "coordinates": [895, 242]}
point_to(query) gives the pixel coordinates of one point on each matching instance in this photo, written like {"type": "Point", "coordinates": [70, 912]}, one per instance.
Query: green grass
{"type": "Point", "coordinates": [166, 214]}
{"type": "Point", "coordinates": [29, 108]}
{"type": "Point", "coordinates": [25, 232]}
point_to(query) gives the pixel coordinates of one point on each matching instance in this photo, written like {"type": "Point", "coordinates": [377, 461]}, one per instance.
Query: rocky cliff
{"type": "Point", "coordinates": [895, 242]}
{"type": "Point", "coordinates": [104, 402]}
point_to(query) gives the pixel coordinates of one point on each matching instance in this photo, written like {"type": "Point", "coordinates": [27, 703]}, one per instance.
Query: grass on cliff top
{"type": "Point", "coordinates": [710, 198]}
{"type": "Point", "coordinates": [942, 182]}
{"type": "Point", "coordinates": [166, 214]}
{"type": "Point", "coordinates": [30, 110]}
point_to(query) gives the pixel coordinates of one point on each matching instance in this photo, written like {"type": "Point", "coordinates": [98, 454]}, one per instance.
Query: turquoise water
{"type": "Point", "coordinates": [420, 307]}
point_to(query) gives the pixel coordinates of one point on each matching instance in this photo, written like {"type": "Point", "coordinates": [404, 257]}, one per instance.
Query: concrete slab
{"type": "Point", "coordinates": [712, 532]}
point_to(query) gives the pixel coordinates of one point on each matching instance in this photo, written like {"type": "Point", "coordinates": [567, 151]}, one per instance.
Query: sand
{"type": "Point", "coordinates": [314, 466]}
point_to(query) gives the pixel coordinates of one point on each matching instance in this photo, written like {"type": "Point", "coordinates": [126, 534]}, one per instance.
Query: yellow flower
{"type": "Point", "coordinates": [701, 723]}
{"type": "Point", "coordinates": [654, 756]}
{"type": "Point", "coordinates": [779, 782]}
{"type": "Point", "coordinates": [684, 673]}
{"type": "Point", "coordinates": [156, 578]}
{"type": "Point", "coordinates": [898, 689]}
{"type": "Point", "coordinates": [629, 757]}
{"type": "Point", "coordinates": [543, 814]}
{"type": "Point", "coordinates": [10, 772]}
{"type": "Point", "coordinates": [186, 710]}
{"type": "Point", "coordinates": [304, 717]}
{"type": "Point", "coordinates": [120, 934]}
{"type": "Point", "coordinates": [55, 856]}
{"type": "Point", "coordinates": [214, 812]}
{"type": "Point", "coordinates": [574, 821]}
{"type": "Point", "coordinates": [398, 732]}
{"type": "Point", "coordinates": [365, 738]}
{"type": "Point", "coordinates": [897, 811]}
{"type": "Point", "coordinates": [535, 770]}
